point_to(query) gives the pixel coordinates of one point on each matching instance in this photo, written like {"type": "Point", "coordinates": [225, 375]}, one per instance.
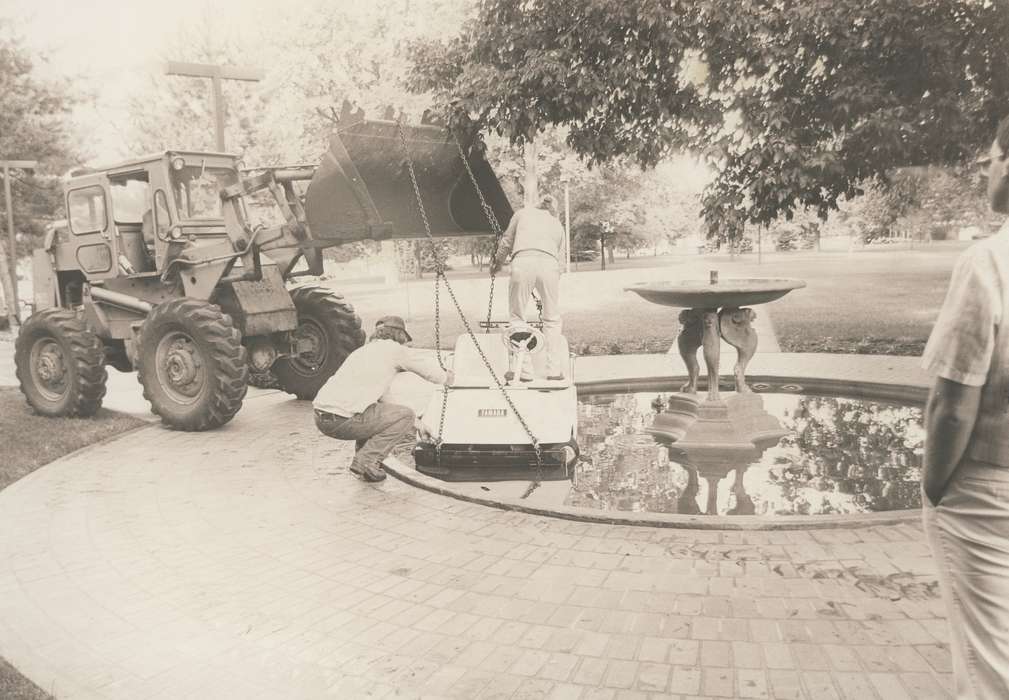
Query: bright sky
{"type": "Point", "coordinates": [110, 47]}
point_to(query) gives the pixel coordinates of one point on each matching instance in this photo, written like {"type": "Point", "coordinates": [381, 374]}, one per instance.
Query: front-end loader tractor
{"type": "Point", "coordinates": [160, 267]}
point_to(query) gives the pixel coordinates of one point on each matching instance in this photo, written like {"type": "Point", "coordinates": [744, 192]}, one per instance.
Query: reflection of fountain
{"type": "Point", "coordinates": [838, 456]}
{"type": "Point", "coordinates": [712, 438]}
{"type": "Point", "coordinates": [715, 312]}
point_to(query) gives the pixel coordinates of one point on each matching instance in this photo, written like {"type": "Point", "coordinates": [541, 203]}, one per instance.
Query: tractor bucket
{"type": "Point", "coordinates": [362, 189]}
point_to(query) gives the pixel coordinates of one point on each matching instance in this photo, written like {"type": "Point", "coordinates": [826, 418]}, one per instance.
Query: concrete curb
{"type": "Point", "coordinates": [685, 522]}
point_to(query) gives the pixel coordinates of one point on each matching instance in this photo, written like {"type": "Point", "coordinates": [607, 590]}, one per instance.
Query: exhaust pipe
{"type": "Point", "coordinates": [122, 300]}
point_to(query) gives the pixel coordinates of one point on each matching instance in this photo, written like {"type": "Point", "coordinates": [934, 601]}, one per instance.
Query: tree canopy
{"type": "Point", "coordinates": [793, 102]}
{"type": "Point", "coordinates": [34, 115]}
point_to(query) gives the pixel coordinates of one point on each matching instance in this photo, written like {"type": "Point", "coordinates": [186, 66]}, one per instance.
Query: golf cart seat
{"type": "Point", "coordinates": [471, 371]}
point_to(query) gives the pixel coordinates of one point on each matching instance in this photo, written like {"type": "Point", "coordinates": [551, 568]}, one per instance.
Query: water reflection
{"type": "Point", "coordinates": [752, 454]}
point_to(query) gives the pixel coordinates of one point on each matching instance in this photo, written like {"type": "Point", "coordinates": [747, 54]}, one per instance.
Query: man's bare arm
{"type": "Point", "coordinates": [425, 363]}
{"type": "Point", "coordinates": [505, 244]}
{"type": "Point", "coordinates": [950, 416]}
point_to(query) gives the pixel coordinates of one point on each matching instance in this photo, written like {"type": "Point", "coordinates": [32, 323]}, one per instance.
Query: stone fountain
{"type": "Point", "coordinates": [714, 310]}
{"type": "Point", "coordinates": [714, 436]}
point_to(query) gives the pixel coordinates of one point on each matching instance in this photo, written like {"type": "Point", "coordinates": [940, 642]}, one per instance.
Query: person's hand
{"type": "Point", "coordinates": [495, 267]}
{"type": "Point", "coordinates": [449, 378]}
{"type": "Point", "coordinates": [423, 433]}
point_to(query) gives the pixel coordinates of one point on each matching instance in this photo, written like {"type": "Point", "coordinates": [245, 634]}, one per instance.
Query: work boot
{"type": "Point", "coordinates": [524, 363]}
{"type": "Point", "coordinates": [369, 474]}
{"type": "Point", "coordinates": [525, 376]}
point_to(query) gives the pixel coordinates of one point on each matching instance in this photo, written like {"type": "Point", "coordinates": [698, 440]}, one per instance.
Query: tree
{"type": "Point", "coordinates": [479, 249]}
{"type": "Point", "coordinates": [329, 52]}
{"type": "Point", "coordinates": [608, 198]}
{"type": "Point", "coordinates": [33, 126]}
{"type": "Point", "coordinates": [178, 111]}
{"type": "Point", "coordinates": [792, 103]}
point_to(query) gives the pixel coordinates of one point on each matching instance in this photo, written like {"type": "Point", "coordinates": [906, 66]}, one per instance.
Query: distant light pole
{"type": "Point", "coordinates": [15, 310]}
{"type": "Point", "coordinates": [216, 74]}
{"type": "Point", "coordinates": [567, 223]}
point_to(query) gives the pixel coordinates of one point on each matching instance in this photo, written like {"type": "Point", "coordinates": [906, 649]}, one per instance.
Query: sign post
{"type": "Point", "coordinates": [216, 74]}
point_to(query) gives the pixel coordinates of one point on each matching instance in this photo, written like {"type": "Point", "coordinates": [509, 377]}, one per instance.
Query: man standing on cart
{"type": "Point", "coordinates": [534, 240]}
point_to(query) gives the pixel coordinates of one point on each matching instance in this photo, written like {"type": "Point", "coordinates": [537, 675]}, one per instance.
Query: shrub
{"type": "Point", "coordinates": [796, 238]}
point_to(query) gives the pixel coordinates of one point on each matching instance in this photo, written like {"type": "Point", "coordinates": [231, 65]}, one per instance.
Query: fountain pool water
{"type": "Point", "coordinates": [765, 454]}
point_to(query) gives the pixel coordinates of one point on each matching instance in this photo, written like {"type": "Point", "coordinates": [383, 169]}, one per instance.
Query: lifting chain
{"type": "Point", "coordinates": [495, 227]}
{"type": "Point", "coordinates": [439, 279]}
{"type": "Point", "coordinates": [498, 234]}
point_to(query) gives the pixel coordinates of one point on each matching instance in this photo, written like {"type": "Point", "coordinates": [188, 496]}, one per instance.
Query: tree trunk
{"type": "Point", "coordinates": [602, 251]}
{"type": "Point", "coordinates": [418, 255]}
{"type": "Point", "coordinates": [531, 189]}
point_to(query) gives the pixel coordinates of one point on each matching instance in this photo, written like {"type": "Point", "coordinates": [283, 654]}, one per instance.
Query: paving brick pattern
{"type": "Point", "coordinates": [247, 563]}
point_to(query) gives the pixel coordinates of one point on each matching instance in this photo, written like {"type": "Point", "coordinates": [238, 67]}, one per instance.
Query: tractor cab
{"type": "Point", "coordinates": [129, 218]}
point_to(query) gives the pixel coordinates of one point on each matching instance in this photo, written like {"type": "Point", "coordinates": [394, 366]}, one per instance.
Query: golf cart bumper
{"type": "Point", "coordinates": [468, 462]}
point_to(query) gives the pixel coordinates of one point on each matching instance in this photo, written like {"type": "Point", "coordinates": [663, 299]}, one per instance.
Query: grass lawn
{"type": "Point", "coordinates": [14, 686]}
{"type": "Point", "coordinates": [877, 302]}
{"type": "Point", "coordinates": [22, 451]}
{"type": "Point", "coordinates": [19, 457]}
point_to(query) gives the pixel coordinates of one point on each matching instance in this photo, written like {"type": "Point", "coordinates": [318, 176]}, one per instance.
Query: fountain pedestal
{"type": "Point", "coordinates": [716, 311]}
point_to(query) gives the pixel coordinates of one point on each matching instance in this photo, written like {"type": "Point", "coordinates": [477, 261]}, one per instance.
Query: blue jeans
{"type": "Point", "coordinates": [377, 429]}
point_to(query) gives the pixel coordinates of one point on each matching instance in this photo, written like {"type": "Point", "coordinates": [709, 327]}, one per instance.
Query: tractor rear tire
{"type": "Point", "coordinates": [60, 364]}
{"type": "Point", "coordinates": [192, 364]}
{"type": "Point", "coordinates": [333, 329]}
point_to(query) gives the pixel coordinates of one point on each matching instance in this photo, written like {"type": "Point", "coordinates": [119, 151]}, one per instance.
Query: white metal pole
{"type": "Point", "coordinates": [567, 228]}
{"type": "Point", "coordinates": [15, 304]}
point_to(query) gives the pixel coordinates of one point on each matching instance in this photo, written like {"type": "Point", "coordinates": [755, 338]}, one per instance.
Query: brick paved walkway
{"type": "Point", "coordinates": [247, 563]}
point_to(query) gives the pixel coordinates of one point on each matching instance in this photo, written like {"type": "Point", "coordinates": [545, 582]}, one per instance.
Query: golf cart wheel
{"type": "Point", "coordinates": [192, 365]}
{"type": "Point", "coordinates": [328, 330]}
{"type": "Point", "coordinates": [60, 364]}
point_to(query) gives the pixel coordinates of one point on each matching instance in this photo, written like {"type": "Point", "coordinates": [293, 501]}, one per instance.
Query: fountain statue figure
{"type": "Point", "coordinates": [715, 311]}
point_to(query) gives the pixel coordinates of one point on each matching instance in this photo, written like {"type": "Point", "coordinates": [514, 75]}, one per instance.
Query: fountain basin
{"type": "Point", "coordinates": [891, 380]}
{"type": "Point", "coordinates": [702, 294]}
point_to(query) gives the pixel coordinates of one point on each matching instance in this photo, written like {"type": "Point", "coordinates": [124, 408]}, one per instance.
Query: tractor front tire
{"type": "Point", "coordinates": [60, 364]}
{"type": "Point", "coordinates": [192, 364]}
{"type": "Point", "coordinates": [330, 327]}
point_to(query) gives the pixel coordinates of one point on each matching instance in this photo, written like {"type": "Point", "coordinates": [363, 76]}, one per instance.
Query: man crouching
{"type": "Point", "coordinates": [348, 408]}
